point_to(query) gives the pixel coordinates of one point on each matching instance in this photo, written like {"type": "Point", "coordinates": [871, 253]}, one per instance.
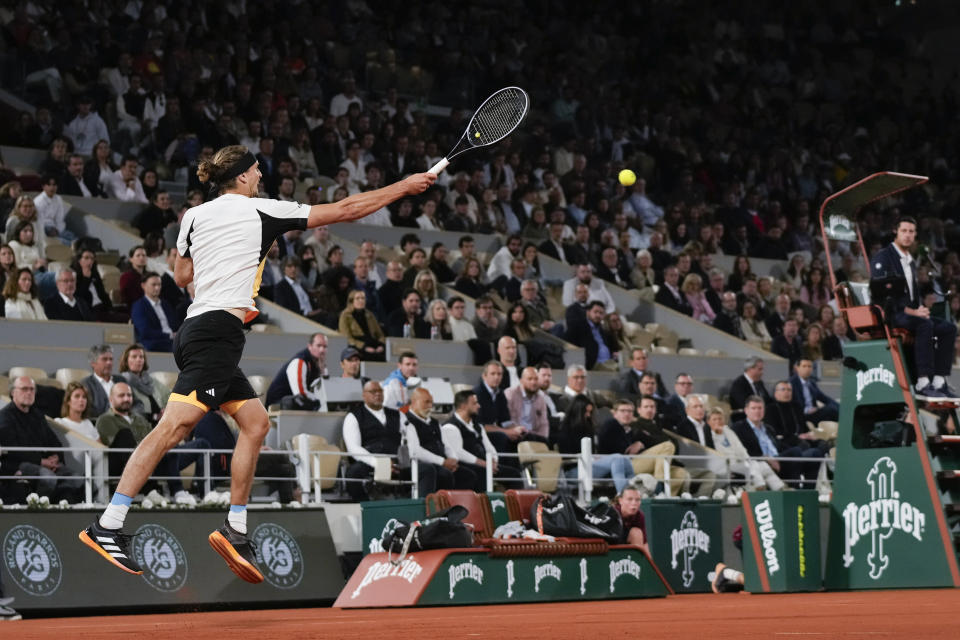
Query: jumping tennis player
{"type": "Point", "coordinates": [223, 245]}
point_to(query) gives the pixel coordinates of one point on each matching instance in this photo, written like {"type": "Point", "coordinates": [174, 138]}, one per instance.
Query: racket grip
{"type": "Point", "coordinates": [440, 166]}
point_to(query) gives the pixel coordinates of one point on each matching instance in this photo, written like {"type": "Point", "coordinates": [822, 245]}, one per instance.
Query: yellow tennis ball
{"type": "Point", "coordinates": [476, 135]}
{"type": "Point", "coordinates": [627, 177]}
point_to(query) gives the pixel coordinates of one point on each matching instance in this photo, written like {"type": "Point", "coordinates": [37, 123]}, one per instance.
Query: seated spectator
{"type": "Point", "coordinates": [761, 440]}
{"type": "Point", "coordinates": [150, 396]}
{"type": "Point", "coordinates": [396, 386]}
{"type": "Point", "coordinates": [553, 245]}
{"type": "Point", "coordinates": [417, 259]}
{"type": "Point", "coordinates": [8, 265]}
{"type": "Point", "coordinates": [813, 343]}
{"type": "Point", "coordinates": [839, 336]}
{"type": "Point", "coordinates": [617, 436]}
{"type": "Point", "coordinates": [73, 411]}
{"type": "Point", "coordinates": [577, 385]}
{"type": "Point", "coordinates": [169, 289]}
{"type": "Point", "coordinates": [24, 210]}
{"type": "Point", "coordinates": [814, 291]}
{"type": "Point", "coordinates": [466, 246]}
{"type": "Point", "coordinates": [350, 363]}
{"type": "Point", "coordinates": [536, 229]}
{"type": "Point", "coordinates": [302, 374]}
{"type": "Point", "coordinates": [23, 425]}
{"type": "Point", "coordinates": [425, 440]}
{"type": "Point", "coordinates": [26, 250]}
{"type": "Point", "coordinates": [361, 328]}
{"type": "Point", "coordinates": [309, 271]}
{"type": "Point", "coordinates": [643, 276]}
{"type": "Point", "coordinates": [90, 288]}
{"type": "Point", "coordinates": [65, 305]}
{"type": "Point", "coordinates": [759, 475]}
{"type": "Point", "coordinates": [775, 319]}
{"type": "Point", "coordinates": [669, 294]}
{"type": "Point", "coordinates": [470, 283]}
{"type": "Point", "coordinates": [461, 329]}
{"type": "Point", "coordinates": [488, 326]}
{"type": "Point", "coordinates": [156, 217]}
{"type": "Point", "coordinates": [500, 263]}
{"type": "Point", "coordinates": [510, 359]}
{"type": "Point", "coordinates": [428, 220]}
{"type": "Point", "coordinates": [492, 413]}
{"type": "Point", "coordinates": [391, 291]}
{"type": "Point", "coordinates": [676, 402]}
{"type": "Point", "coordinates": [466, 439]}
{"type": "Point", "coordinates": [375, 429]}
{"type": "Point", "coordinates": [538, 312]}
{"type": "Point", "coordinates": [154, 320]}
{"type": "Point", "coordinates": [101, 379]}
{"type": "Point", "coordinates": [86, 126]}
{"type": "Point", "coordinates": [123, 183]}
{"type": "Point", "coordinates": [814, 404]}
{"type": "Point", "coordinates": [627, 505]}
{"type": "Point", "coordinates": [290, 294]}
{"type": "Point", "coordinates": [130, 280]}
{"type": "Point", "coordinates": [74, 183]}
{"type": "Point", "coordinates": [362, 281]}
{"type": "Point", "coordinates": [509, 286]}
{"type": "Point", "coordinates": [20, 297]}
{"type": "Point", "coordinates": [630, 378]}
{"type": "Point", "coordinates": [406, 321]}
{"type": "Point", "coordinates": [693, 290]}
{"type": "Point", "coordinates": [749, 384]}
{"type": "Point", "coordinates": [597, 290]}
{"type": "Point", "coordinates": [426, 285]}
{"type": "Point", "coordinates": [517, 326]}
{"type": "Point", "coordinates": [648, 428]}
{"type": "Point", "coordinates": [99, 169]}
{"type": "Point", "coordinates": [741, 269]}
{"type": "Point", "coordinates": [612, 270]}
{"type": "Point", "coordinates": [528, 408]}
{"type": "Point", "coordinates": [10, 192]}
{"type": "Point", "coordinates": [51, 210]}
{"type": "Point", "coordinates": [577, 424]}
{"type": "Point", "coordinates": [436, 318]}
{"type": "Point", "coordinates": [788, 344]}
{"type": "Point", "coordinates": [121, 428]}
{"type": "Point", "coordinates": [599, 346]}
{"type": "Point", "coordinates": [754, 329]}
{"type": "Point", "coordinates": [531, 261]}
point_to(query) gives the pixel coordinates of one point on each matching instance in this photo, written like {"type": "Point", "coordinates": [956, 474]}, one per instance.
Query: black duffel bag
{"type": "Point", "coordinates": [559, 515]}
{"type": "Point", "coordinates": [442, 530]}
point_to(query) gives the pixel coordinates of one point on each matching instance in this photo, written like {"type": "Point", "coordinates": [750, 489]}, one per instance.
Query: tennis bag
{"type": "Point", "coordinates": [443, 530]}
{"type": "Point", "coordinates": [560, 516]}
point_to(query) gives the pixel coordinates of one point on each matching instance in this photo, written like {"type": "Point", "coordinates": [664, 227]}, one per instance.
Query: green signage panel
{"type": "Point", "coordinates": [887, 526]}
{"type": "Point", "coordinates": [781, 541]}
{"type": "Point", "coordinates": [378, 514]}
{"type": "Point", "coordinates": [45, 566]}
{"type": "Point", "coordinates": [474, 578]}
{"type": "Point", "coordinates": [498, 508]}
{"type": "Point", "coordinates": [684, 540]}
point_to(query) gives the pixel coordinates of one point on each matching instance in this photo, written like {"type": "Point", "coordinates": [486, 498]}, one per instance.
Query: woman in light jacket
{"type": "Point", "coordinates": [361, 327]}
{"type": "Point", "coordinates": [20, 297]}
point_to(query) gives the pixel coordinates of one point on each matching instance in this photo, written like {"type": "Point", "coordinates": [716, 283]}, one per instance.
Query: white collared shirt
{"type": "Point", "coordinates": [69, 302]}
{"type": "Point", "coordinates": [161, 316]}
{"type": "Point", "coordinates": [906, 261]}
{"type": "Point", "coordinates": [353, 440]}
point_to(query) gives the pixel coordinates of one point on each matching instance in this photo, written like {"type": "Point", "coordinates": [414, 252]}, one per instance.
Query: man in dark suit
{"type": "Point", "coordinates": [390, 292]}
{"type": "Point", "coordinates": [612, 270]}
{"type": "Point", "coordinates": [790, 428]}
{"type": "Point", "coordinates": [749, 384]}
{"type": "Point", "coordinates": [934, 338]}
{"type": "Point", "coordinates": [629, 379]}
{"type": "Point", "coordinates": [290, 294]}
{"type": "Point", "coordinates": [760, 439]}
{"type": "Point", "coordinates": [677, 401]}
{"type": "Point", "coordinates": [406, 321]}
{"type": "Point", "coordinates": [728, 319]}
{"type": "Point", "coordinates": [812, 402]}
{"type": "Point", "coordinates": [101, 379]}
{"type": "Point", "coordinates": [576, 313]}
{"type": "Point", "coordinates": [692, 426]}
{"type": "Point", "coordinates": [669, 293]}
{"type": "Point", "coordinates": [553, 246]}
{"type": "Point", "coordinates": [599, 346]}
{"type": "Point", "coordinates": [64, 304]}
{"type": "Point", "coordinates": [154, 320]}
{"type": "Point", "coordinates": [493, 404]}
{"type": "Point", "coordinates": [779, 315]}
{"type": "Point", "coordinates": [74, 183]}
{"type": "Point", "coordinates": [787, 344]}
{"type": "Point", "coordinates": [169, 290]}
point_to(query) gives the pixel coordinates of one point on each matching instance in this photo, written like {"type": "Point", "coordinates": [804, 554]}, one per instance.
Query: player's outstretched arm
{"type": "Point", "coordinates": [183, 271]}
{"type": "Point", "coordinates": [363, 204]}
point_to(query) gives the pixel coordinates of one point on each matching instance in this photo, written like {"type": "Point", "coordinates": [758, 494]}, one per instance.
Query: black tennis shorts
{"type": "Point", "coordinates": [207, 349]}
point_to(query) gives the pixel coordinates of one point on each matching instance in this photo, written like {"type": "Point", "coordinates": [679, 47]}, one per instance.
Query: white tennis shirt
{"type": "Point", "coordinates": [228, 239]}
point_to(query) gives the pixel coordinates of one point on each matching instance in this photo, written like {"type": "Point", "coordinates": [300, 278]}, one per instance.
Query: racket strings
{"type": "Point", "coordinates": [498, 117]}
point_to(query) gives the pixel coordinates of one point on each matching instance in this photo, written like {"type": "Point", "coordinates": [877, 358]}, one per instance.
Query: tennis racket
{"type": "Point", "coordinates": [496, 118]}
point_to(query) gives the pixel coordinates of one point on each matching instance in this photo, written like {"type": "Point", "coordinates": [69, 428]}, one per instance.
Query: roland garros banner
{"type": "Point", "coordinates": [465, 576]}
{"type": "Point", "coordinates": [45, 566]}
{"type": "Point", "coordinates": [684, 539]}
{"type": "Point", "coordinates": [781, 541]}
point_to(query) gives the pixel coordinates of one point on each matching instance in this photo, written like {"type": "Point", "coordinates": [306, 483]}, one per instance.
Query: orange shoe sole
{"type": "Point", "coordinates": [85, 539]}
{"type": "Point", "coordinates": [235, 561]}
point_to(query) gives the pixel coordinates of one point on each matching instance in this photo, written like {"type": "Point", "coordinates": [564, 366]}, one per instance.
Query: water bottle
{"type": "Point", "coordinates": [434, 333]}
{"type": "Point", "coordinates": [406, 330]}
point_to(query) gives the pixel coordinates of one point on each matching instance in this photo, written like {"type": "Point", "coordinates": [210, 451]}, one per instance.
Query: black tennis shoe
{"type": "Point", "coordinates": [235, 548]}
{"type": "Point", "coordinates": [113, 545]}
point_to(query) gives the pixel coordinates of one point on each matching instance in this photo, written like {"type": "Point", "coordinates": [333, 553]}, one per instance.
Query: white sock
{"type": "Point", "coordinates": [922, 382]}
{"type": "Point", "coordinates": [114, 516]}
{"type": "Point", "coordinates": [731, 574]}
{"type": "Point", "coordinates": [238, 520]}
{"type": "Point", "coordinates": [938, 381]}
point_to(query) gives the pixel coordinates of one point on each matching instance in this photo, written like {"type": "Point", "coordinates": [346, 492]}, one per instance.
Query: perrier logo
{"type": "Point", "coordinates": [879, 518]}
{"type": "Point", "coordinates": [688, 540]}
{"type": "Point", "coordinates": [839, 228]}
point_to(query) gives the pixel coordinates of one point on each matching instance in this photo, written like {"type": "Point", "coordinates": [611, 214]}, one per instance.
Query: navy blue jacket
{"type": "Point", "coordinates": [886, 262]}
{"type": "Point", "coordinates": [147, 326]}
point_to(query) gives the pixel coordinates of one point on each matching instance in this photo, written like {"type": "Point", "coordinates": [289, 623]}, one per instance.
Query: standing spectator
{"type": "Point", "coordinates": [20, 297]}
{"type": "Point", "coordinates": [52, 210]}
{"type": "Point", "coordinates": [86, 128]}
{"type": "Point", "coordinates": [65, 305]}
{"type": "Point", "coordinates": [74, 412]}
{"type": "Point", "coordinates": [361, 328]}
{"type": "Point", "coordinates": [23, 425]}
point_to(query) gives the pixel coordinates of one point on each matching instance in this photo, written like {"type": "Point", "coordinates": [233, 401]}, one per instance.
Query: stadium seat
{"type": "Point", "coordinates": [259, 384]}
{"type": "Point", "coordinates": [66, 375]}
{"type": "Point", "coordinates": [341, 393]}
{"type": "Point", "coordinates": [38, 375]}
{"type": "Point", "coordinates": [477, 505]}
{"type": "Point", "coordinates": [826, 430]}
{"type": "Point", "coordinates": [689, 351]}
{"type": "Point", "coordinates": [4, 386]}
{"type": "Point", "coordinates": [544, 465]}
{"type": "Point", "coordinates": [107, 269]}
{"type": "Point", "coordinates": [519, 502]}
{"type": "Point", "coordinates": [442, 392]}
{"type": "Point", "coordinates": [59, 252]}
{"type": "Point", "coordinates": [329, 464]}
{"type": "Point", "coordinates": [664, 350]}
{"type": "Point", "coordinates": [166, 378]}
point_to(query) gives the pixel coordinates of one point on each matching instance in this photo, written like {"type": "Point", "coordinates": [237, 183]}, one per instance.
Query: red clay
{"type": "Point", "coordinates": [926, 614]}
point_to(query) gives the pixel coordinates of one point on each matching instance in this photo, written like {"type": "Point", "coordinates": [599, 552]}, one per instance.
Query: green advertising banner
{"type": "Point", "coordinates": [781, 541]}
{"type": "Point", "coordinates": [684, 540]}
{"type": "Point", "coordinates": [498, 508]}
{"type": "Point", "coordinates": [45, 566]}
{"type": "Point", "coordinates": [377, 515]}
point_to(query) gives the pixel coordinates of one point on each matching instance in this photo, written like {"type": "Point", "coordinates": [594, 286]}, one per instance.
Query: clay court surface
{"type": "Point", "coordinates": [921, 614]}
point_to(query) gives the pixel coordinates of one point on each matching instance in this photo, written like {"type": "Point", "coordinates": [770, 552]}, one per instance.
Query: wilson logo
{"type": "Point", "coordinates": [768, 535]}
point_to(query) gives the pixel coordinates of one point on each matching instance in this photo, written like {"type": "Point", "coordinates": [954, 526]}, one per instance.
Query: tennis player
{"type": "Point", "coordinates": [223, 245]}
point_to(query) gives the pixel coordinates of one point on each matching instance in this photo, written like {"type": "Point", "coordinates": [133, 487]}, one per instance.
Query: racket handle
{"type": "Point", "coordinates": [440, 166]}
